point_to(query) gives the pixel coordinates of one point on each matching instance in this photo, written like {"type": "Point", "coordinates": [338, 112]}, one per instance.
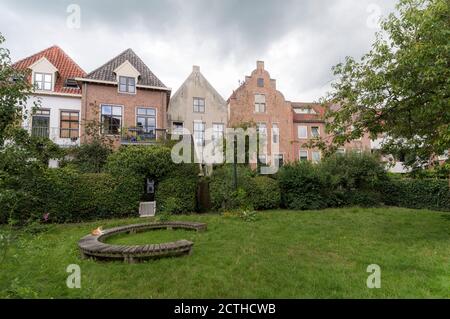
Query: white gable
{"type": "Point", "coordinates": [43, 66]}
{"type": "Point", "coordinates": [127, 69]}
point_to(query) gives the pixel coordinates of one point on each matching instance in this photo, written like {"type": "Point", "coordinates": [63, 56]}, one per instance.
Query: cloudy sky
{"type": "Point", "coordinates": [299, 40]}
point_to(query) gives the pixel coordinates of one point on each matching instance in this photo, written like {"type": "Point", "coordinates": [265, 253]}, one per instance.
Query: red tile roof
{"type": "Point", "coordinates": [67, 68]}
{"type": "Point", "coordinates": [317, 107]}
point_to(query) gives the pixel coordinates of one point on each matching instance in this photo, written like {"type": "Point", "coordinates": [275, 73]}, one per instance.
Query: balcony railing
{"type": "Point", "coordinates": [143, 135]}
{"type": "Point", "coordinates": [61, 136]}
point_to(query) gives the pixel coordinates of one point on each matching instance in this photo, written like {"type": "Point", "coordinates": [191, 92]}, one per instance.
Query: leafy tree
{"type": "Point", "coordinates": [14, 92]}
{"type": "Point", "coordinates": [401, 88]}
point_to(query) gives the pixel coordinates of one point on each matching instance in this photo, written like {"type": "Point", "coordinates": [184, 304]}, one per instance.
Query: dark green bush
{"type": "Point", "coordinates": [177, 194]}
{"type": "Point", "coordinates": [69, 196]}
{"type": "Point", "coordinates": [266, 194]}
{"type": "Point", "coordinates": [88, 158]}
{"type": "Point", "coordinates": [417, 193]}
{"type": "Point", "coordinates": [222, 191]}
{"type": "Point", "coordinates": [303, 186]}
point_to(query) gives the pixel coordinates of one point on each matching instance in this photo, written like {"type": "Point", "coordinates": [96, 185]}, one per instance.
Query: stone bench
{"type": "Point", "coordinates": [93, 246]}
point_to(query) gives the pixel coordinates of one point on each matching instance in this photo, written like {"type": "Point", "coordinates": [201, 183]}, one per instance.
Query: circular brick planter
{"type": "Point", "coordinates": [93, 246]}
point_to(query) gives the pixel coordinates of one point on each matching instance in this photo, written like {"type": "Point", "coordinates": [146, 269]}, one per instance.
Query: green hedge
{"type": "Point", "coordinates": [304, 186]}
{"type": "Point", "coordinates": [417, 193]}
{"type": "Point", "coordinates": [340, 180]}
{"type": "Point", "coordinates": [266, 194]}
{"type": "Point", "coordinates": [177, 193]}
{"type": "Point", "coordinates": [256, 192]}
{"type": "Point", "coordinates": [69, 196]}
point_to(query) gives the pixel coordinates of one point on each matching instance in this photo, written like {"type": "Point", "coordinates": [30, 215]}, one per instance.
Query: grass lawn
{"type": "Point", "coordinates": [285, 254]}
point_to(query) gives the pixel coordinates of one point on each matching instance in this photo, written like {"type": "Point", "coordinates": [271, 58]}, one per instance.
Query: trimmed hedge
{"type": "Point", "coordinates": [417, 193]}
{"type": "Point", "coordinates": [177, 194]}
{"type": "Point", "coordinates": [70, 196]}
{"type": "Point", "coordinates": [266, 194]}
{"type": "Point", "coordinates": [255, 192]}
{"type": "Point", "coordinates": [340, 180]}
{"type": "Point", "coordinates": [304, 186]}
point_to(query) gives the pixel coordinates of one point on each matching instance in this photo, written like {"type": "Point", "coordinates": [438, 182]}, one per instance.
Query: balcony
{"type": "Point", "coordinates": [143, 136]}
{"type": "Point", "coordinates": [64, 137]}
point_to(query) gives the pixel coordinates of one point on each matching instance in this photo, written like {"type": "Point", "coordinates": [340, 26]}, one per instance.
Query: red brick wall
{"type": "Point", "coordinates": [96, 94]}
{"type": "Point", "coordinates": [278, 110]}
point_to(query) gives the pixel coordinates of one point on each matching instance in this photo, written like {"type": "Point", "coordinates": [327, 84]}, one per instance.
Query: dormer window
{"type": "Point", "coordinates": [71, 83]}
{"type": "Point", "coordinates": [298, 110]}
{"type": "Point", "coordinates": [127, 84]}
{"type": "Point", "coordinates": [43, 81]}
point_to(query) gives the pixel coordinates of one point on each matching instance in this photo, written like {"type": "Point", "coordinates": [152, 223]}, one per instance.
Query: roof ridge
{"type": "Point", "coordinates": [35, 54]}
{"type": "Point", "coordinates": [108, 62]}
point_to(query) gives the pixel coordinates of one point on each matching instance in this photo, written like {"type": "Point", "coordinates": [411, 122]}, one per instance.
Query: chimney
{"type": "Point", "coordinates": [196, 68]}
{"type": "Point", "coordinates": [260, 65]}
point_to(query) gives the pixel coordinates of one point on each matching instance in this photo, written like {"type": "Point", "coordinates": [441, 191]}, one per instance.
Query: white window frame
{"type": "Point", "coordinates": [260, 105]}
{"type": "Point", "coordinates": [43, 82]}
{"type": "Point", "coordinates": [316, 160]}
{"type": "Point", "coordinates": [127, 85]}
{"type": "Point", "coordinates": [318, 131]}
{"type": "Point", "coordinates": [202, 132]}
{"type": "Point", "coordinates": [199, 107]}
{"type": "Point", "coordinates": [306, 132]}
{"type": "Point", "coordinates": [275, 133]}
{"type": "Point", "coordinates": [300, 155]}
{"type": "Point", "coordinates": [121, 119]}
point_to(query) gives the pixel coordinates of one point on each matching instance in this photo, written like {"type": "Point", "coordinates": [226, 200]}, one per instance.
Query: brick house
{"type": "Point", "coordinates": [53, 73]}
{"type": "Point", "coordinates": [127, 99]}
{"type": "Point", "coordinates": [258, 101]}
{"type": "Point", "coordinates": [294, 124]}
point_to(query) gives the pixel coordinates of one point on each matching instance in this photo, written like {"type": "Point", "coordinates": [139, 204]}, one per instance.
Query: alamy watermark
{"type": "Point", "coordinates": [374, 279]}
{"type": "Point", "coordinates": [235, 145]}
{"type": "Point", "coordinates": [73, 20]}
{"type": "Point", "coordinates": [74, 279]}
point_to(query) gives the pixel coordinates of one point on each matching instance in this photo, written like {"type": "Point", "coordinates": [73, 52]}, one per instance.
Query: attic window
{"type": "Point", "coordinates": [261, 82]}
{"type": "Point", "coordinates": [43, 81]}
{"type": "Point", "coordinates": [71, 83]}
{"type": "Point", "coordinates": [127, 84]}
{"type": "Point", "coordinates": [298, 110]}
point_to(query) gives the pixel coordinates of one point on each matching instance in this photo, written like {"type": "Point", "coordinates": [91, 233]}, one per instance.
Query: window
{"type": "Point", "coordinates": [261, 128]}
{"type": "Point", "coordinates": [260, 103]}
{"type": "Point", "coordinates": [315, 131]}
{"type": "Point", "coordinates": [177, 128]}
{"type": "Point", "coordinates": [69, 124]}
{"type": "Point", "coordinates": [199, 133]}
{"type": "Point", "coordinates": [111, 119]}
{"type": "Point", "coordinates": [71, 83]}
{"type": "Point", "coordinates": [299, 110]}
{"type": "Point", "coordinates": [303, 132]}
{"type": "Point", "coordinates": [127, 84]}
{"type": "Point", "coordinates": [280, 159]}
{"type": "Point", "coordinates": [199, 105]}
{"type": "Point", "coordinates": [262, 159]}
{"type": "Point", "coordinates": [261, 82]}
{"type": "Point", "coordinates": [303, 156]}
{"type": "Point", "coordinates": [146, 120]}
{"type": "Point", "coordinates": [43, 81]}
{"type": "Point", "coordinates": [316, 156]}
{"type": "Point", "coordinates": [275, 133]}
{"type": "Point", "coordinates": [218, 130]}
{"type": "Point", "coordinates": [40, 125]}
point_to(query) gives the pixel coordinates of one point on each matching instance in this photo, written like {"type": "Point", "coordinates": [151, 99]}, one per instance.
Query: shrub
{"type": "Point", "coordinates": [153, 162]}
{"type": "Point", "coordinates": [222, 192]}
{"type": "Point", "coordinates": [266, 194]}
{"type": "Point", "coordinates": [89, 158]}
{"type": "Point", "coordinates": [69, 196]}
{"type": "Point", "coordinates": [417, 193]}
{"type": "Point", "coordinates": [177, 195]}
{"type": "Point", "coordinates": [303, 186]}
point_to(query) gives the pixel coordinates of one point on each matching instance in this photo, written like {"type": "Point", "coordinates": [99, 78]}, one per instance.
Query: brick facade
{"type": "Point", "coordinates": [241, 107]}
{"type": "Point", "coordinates": [94, 95]}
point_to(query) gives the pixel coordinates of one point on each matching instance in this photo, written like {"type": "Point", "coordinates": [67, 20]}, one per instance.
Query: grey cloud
{"type": "Point", "coordinates": [242, 30]}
